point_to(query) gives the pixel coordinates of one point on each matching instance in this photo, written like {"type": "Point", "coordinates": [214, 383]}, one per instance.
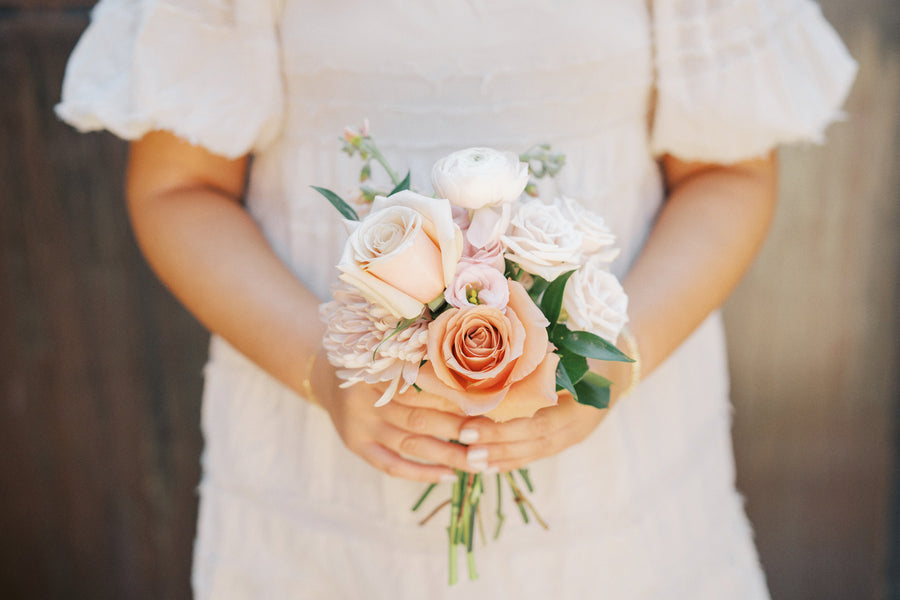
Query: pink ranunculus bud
{"type": "Point", "coordinates": [475, 284]}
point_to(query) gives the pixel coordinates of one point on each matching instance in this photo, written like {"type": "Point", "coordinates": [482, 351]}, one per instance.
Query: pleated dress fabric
{"type": "Point", "coordinates": [645, 507]}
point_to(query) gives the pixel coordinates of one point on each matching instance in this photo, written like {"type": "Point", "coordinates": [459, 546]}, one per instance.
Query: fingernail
{"type": "Point", "coordinates": [448, 478]}
{"type": "Point", "coordinates": [468, 436]}
{"type": "Point", "coordinates": [476, 455]}
{"type": "Point", "coordinates": [478, 467]}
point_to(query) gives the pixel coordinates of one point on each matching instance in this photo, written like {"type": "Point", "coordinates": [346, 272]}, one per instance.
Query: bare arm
{"type": "Point", "coordinates": [185, 207]}
{"type": "Point", "coordinates": [713, 223]}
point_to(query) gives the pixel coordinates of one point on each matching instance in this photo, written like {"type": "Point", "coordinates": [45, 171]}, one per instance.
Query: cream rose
{"type": "Point", "coordinates": [404, 253]}
{"type": "Point", "coordinates": [597, 239]}
{"type": "Point", "coordinates": [479, 177]}
{"type": "Point", "coordinates": [595, 301]}
{"type": "Point", "coordinates": [542, 241]}
{"type": "Point", "coordinates": [492, 363]}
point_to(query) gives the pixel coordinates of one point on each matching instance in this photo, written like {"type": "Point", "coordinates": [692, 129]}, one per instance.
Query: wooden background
{"type": "Point", "coordinates": [100, 370]}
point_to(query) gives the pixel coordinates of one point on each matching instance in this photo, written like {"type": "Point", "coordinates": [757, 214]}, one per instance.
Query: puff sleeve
{"type": "Point", "coordinates": [734, 78]}
{"type": "Point", "coordinates": [207, 71]}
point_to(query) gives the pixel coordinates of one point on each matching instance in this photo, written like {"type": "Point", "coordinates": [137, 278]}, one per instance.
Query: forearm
{"type": "Point", "coordinates": [707, 235]}
{"type": "Point", "coordinates": [210, 253]}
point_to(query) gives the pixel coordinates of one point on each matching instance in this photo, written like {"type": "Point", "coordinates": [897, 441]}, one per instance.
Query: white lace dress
{"type": "Point", "coordinates": [643, 508]}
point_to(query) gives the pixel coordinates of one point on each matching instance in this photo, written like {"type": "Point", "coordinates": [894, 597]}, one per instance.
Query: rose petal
{"type": "Point", "coordinates": [531, 394]}
{"type": "Point", "coordinates": [437, 331]}
{"type": "Point", "coordinates": [442, 230]}
{"type": "Point", "coordinates": [535, 332]}
{"type": "Point", "coordinates": [471, 402]}
{"type": "Point", "coordinates": [380, 293]}
{"type": "Point", "coordinates": [416, 270]}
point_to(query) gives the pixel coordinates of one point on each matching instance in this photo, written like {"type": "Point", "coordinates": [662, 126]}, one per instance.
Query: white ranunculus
{"type": "Point", "coordinates": [598, 241]}
{"type": "Point", "coordinates": [595, 301]}
{"type": "Point", "coordinates": [479, 177]}
{"type": "Point", "coordinates": [404, 253]}
{"type": "Point", "coordinates": [542, 241]}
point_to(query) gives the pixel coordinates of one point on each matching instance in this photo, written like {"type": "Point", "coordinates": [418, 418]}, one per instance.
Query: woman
{"type": "Point", "coordinates": [668, 113]}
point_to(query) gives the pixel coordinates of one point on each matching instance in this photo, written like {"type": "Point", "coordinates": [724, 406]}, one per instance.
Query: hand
{"type": "Point", "coordinates": [516, 443]}
{"type": "Point", "coordinates": [394, 437]}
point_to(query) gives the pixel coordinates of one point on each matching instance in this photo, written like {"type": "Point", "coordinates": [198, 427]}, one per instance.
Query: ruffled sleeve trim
{"type": "Point", "coordinates": [208, 72]}
{"type": "Point", "coordinates": [737, 79]}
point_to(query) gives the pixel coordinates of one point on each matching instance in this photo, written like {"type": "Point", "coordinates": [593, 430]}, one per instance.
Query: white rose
{"type": "Point", "coordinates": [598, 240]}
{"type": "Point", "coordinates": [595, 301]}
{"type": "Point", "coordinates": [479, 177]}
{"type": "Point", "coordinates": [404, 253]}
{"type": "Point", "coordinates": [542, 241]}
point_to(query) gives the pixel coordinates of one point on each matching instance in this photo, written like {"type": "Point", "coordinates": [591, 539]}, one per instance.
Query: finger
{"type": "Point", "coordinates": [411, 397]}
{"type": "Point", "coordinates": [395, 465]}
{"type": "Point", "coordinates": [493, 456]}
{"type": "Point", "coordinates": [424, 421]}
{"type": "Point", "coordinates": [422, 447]}
{"type": "Point", "coordinates": [546, 422]}
{"type": "Point", "coordinates": [484, 431]}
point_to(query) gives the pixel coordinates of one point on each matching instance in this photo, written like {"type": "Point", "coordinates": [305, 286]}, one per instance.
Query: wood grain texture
{"type": "Point", "coordinates": [813, 343]}
{"type": "Point", "coordinates": [100, 372]}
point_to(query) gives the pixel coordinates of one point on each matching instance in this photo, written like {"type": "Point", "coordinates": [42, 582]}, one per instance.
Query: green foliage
{"type": "Point", "coordinates": [336, 201]}
{"type": "Point", "coordinates": [593, 390]}
{"type": "Point", "coordinates": [551, 300]}
{"type": "Point", "coordinates": [586, 344]}
{"type": "Point", "coordinates": [402, 186]}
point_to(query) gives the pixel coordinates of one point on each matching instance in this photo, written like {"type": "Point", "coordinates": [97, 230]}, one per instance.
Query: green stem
{"type": "Point", "coordinates": [473, 574]}
{"type": "Point", "coordinates": [377, 155]}
{"type": "Point", "coordinates": [423, 496]}
{"type": "Point", "coordinates": [455, 500]}
{"type": "Point", "coordinates": [470, 539]}
{"type": "Point", "coordinates": [517, 496]}
{"type": "Point", "coordinates": [500, 515]}
{"type": "Point", "coordinates": [522, 499]}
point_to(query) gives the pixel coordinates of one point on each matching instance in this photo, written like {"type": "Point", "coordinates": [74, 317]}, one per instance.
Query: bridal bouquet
{"type": "Point", "coordinates": [483, 295]}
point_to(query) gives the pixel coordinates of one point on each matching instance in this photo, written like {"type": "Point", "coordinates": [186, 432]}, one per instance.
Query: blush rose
{"type": "Point", "coordinates": [491, 363]}
{"type": "Point", "coordinates": [404, 253]}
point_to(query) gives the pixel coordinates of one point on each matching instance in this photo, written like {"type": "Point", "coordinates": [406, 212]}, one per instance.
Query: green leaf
{"type": "Point", "coordinates": [563, 382]}
{"type": "Point", "coordinates": [593, 390]}
{"type": "Point", "coordinates": [345, 209]}
{"type": "Point", "coordinates": [537, 289]}
{"type": "Point", "coordinates": [551, 302]}
{"type": "Point", "coordinates": [423, 496]}
{"type": "Point", "coordinates": [584, 343]}
{"type": "Point", "coordinates": [527, 479]}
{"type": "Point", "coordinates": [512, 270]}
{"type": "Point", "coordinates": [403, 185]}
{"type": "Point", "coordinates": [576, 366]}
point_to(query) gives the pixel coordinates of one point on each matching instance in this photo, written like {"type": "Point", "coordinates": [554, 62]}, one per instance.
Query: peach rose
{"type": "Point", "coordinates": [404, 253]}
{"type": "Point", "coordinates": [489, 363]}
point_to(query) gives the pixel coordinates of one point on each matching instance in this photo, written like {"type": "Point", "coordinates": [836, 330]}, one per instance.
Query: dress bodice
{"type": "Point", "coordinates": [450, 75]}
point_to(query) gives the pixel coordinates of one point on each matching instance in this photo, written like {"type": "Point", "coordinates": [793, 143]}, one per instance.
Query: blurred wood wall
{"type": "Point", "coordinates": [813, 342]}
{"type": "Point", "coordinates": [100, 369]}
